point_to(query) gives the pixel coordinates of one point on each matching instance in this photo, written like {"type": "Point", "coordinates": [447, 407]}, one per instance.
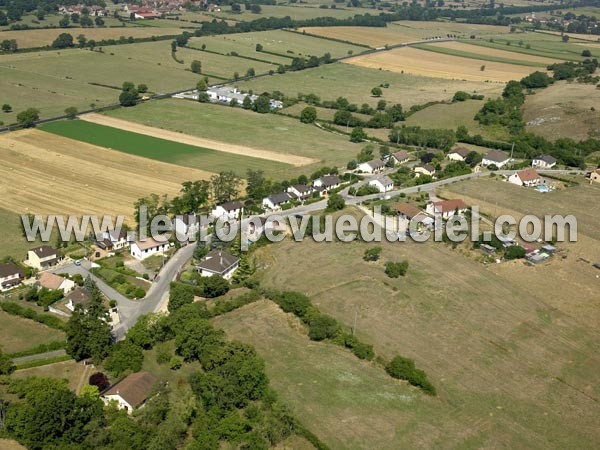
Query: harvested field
{"type": "Point", "coordinates": [401, 32]}
{"type": "Point", "coordinates": [41, 38]}
{"type": "Point", "coordinates": [197, 141]}
{"type": "Point", "coordinates": [564, 110]}
{"type": "Point", "coordinates": [477, 52]}
{"type": "Point", "coordinates": [419, 62]}
{"type": "Point", "coordinates": [48, 174]}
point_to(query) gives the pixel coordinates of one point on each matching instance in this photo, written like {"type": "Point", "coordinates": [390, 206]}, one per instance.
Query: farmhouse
{"type": "Point", "coordinates": [426, 169]}
{"type": "Point", "coordinates": [186, 226]}
{"type": "Point", "coordinates": [42, 257]}
{"type": "Point", "coordinates": [78, 296]}
{"type": "Point", "coordinates": [228, 211]}
{"type": "Point", "coordinates": [544, 162]}
{"type": "Point", "coordinates": [446, 208]}
{"type": "Point", "coordinates": [143, 249]}
{"type": "Point", "coordinates": [300, 191]}
{"type": "Point", "coordinates": [526, 177]}
{"type": "Point", "coordinates": [327, 183]}
{"type": "Point", "coordinates": [227, 94]}
{"type": "Point", "coordinates": [458, 154]}
{"type": "Point", "coordinates": [218, 262]}
{"type": "Point", "coordinates": [399, 157]}
{"type": "Point", "coordinates": [374, 166]}
{"type": "Point", "coordinates": [131, 392]}
{"type": "Point", "coordinates": [276, 200]}
{"type": "Point", "coordinates": [383, 183]}
{"type": "Point", "coordinates": [10, 276]}
{"type": "Point", "coordinates": [54, 282]}
{"type": "Point", "coordinates": [496, 158]}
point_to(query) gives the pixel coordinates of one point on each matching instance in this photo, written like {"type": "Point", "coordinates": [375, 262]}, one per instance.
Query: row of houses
{"type": "Point", "coordinates": [500, 159]}
{"type": "Point", "coordinates": [379, 165]}
{"type": "Point", "coordinates": [301, 192]}
{"type": "Point", "coordinates": [416, 220]}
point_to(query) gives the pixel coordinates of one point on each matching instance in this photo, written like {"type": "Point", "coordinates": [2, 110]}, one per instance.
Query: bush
{"type": "Point", "coordinates": [294, 302]}
{"type": "Point", "coordinates": [404, 369]}
{"type": "Point", "coordinates": [28, 313]}
{"type": "Point", "coordinates": [372, 254]}
{"type": "Point", "coordinates": [322, 327]}
{"type": "Point", "coordinates": [396, 269]}
{"type": "Point", "coordinates": [175, 363]}
{"type": "Point", "coordinates": [514, 252]}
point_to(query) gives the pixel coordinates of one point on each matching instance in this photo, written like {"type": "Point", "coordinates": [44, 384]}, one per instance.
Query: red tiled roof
{"type": "Point", "coordinates": [449, 205]}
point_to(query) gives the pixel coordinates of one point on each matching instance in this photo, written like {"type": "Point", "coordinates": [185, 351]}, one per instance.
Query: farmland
{"type": "Point", "coordinates": [54, 80]}
{"type": "Point", "coordinates": [564, 110]}
{"type": "Point", "coordinates": [263, 131]}
{"type": "Point", "coordinates": [42, 38]}
{"type": "Point", "coordinates": [295, 12]}
{"type": "Point", "coordinates": [402, 32]}
{"type": "Point", "coordinates": [418, 62]}
{"type": "Point", "coordinates": [282, 42]}
{"type": "Point", "coordinates": [331, 81]}
{"type": "Point", "coordinates": [158, 149]}
{"type": "Point", "coordinates": [18, 334]}
{"type": "Point", "coordinates": [47, 174]}
{"type": "Point", "coordinates": [503, 351]}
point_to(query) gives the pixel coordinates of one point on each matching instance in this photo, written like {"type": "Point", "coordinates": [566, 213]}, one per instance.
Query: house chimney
{"type": "Point", "coordinates": [220, 259]}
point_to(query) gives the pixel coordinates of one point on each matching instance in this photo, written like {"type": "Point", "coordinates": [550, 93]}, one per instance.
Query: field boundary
{"type": "Point", "coordinates": [197, 141]}
{"type": "Point", "coordinates": [478, 56]}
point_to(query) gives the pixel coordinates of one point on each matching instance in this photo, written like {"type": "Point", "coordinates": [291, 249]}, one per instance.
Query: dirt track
{"type": "Point", "coordinates": [197, 141]}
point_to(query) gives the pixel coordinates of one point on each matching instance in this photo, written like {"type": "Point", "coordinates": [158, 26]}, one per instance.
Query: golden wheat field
{"type": "Point", "coordinates": [422, 62]}
{"type": "Point", "coordinates": [494, 52]}
{"type": "Point", "coordinates": [43, 173]}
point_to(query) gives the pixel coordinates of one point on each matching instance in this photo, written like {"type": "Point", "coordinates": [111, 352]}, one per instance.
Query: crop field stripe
{"type": "Point", "coordinates": [152, 147]}
{"type": "Point", "coordinates": [479, 56]}
{"type": "Point", "coordinates": [564, 55]}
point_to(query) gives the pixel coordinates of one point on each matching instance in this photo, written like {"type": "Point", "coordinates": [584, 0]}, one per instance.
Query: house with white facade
{"type": "Point", "coordinates": [326, 183]}
{"type": "Point", "coordinates": [55, 282]}
{"type": "Point", "coordinates": [424, 169]}
{"type": "Point", "coordinates": [218, 262]}
{"type": "Point", "coordinates": [276, 201]}
{"type": "Point", "coordinates": [543, 162]}
{"type": "Point", "coordinates": [186, 226]}
{"type": "Point", "coordinates": [400, 157]}
{"type": "Point", "coordinates": [527, 177]}
{"type": "Point", "coordinates": [458, 154]}
{"type": "Point", "coordinates": [383, 183]}
{"type": "Point", "coordinates": [226, 94]}
{"type": "Point", "coordinates": [132, 392]}
{"type": "Point", "coordinates": [495, 157]}
{"type": "Point", "coordinates": [446, 208]}
{"type": "Point", "coordinates": [77, 296]}
{"type": "Point", "coordinates": [42, 257]}
{"type": "Point", "coordinates": [228, 211]}
{"type": "Point", "coordinates": [300, 191]}
{"type": "Point", "coordinates": [373, 166]}
{"type": "Point", "coordinates": [143, 249]}
{"type": "Point", "coordinates": [11, 276]}
{"type": "Point", "coordinates": [114, 239]}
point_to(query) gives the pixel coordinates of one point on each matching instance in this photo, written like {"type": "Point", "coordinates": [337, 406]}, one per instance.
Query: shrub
{"type": "Point", "coordinates": [175, 363]}
{"type": "Point", "coordinates": [322, 327]}
{"type": "Point", "coordinates": [294, 302]}
{"type": "Point", "coordinates": [396, 269]}
{"type": "Point", "coordinates": [372, 254]}
{"type": "Point", "coordinates": [404, 369]}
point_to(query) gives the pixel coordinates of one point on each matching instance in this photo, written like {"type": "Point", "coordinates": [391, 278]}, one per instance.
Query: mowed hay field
{"type": "Point", "coordinates": [512, 369]}
{"type": "Point", "coordinates": [421, 62]}
{"type": "Point", "coordinates": [402, 32]}
{"type": "Point", "coordinates": [464, 49]}
{"type": "Point", "coordinates": [564, 110]}
{"type": "Point", "coordinates": [18, 334]}
{"type": "Point", "coordinates": [355, 83]}
{"type": "Point", "coordinates": [43, 173]}
{"type": "Point", "coordinates": [41, 38]}
{"type": "Point", "coordinates": [271, 132]}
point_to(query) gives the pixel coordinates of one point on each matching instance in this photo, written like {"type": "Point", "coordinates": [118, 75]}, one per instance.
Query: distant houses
{"type": "Point", "coordinates": [11, 276]}
{"type": "Point", "coordinates": [458, 154]}
{"type": "Point", "coordinates": [43, 257]}
{"type": "Point", "coordinates": [382, 183]}
{"type": "Point", "coordinates": [143, 249]}
{"type": "Point", "coordinates": [495, 157]}
{"type": "Point", "coordinates": [373, 166]}
{"type": "Point", "coordinates": [218, 262]}
{"type": "Point", "coordinates": [132, 392]}
{"type": "Point", "coordinates": [527, 177]}
{"type": "Point", "coordinates": [543, 162]}
{"type": "Point", "coordinates": [446, 208]}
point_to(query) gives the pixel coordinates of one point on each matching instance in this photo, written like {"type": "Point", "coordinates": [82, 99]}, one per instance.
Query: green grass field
{"type": "Point", "coordinates": [12, 242]}
{"type": "Point", "coordinates": [18, 334]}
{"type": "Point", "coordinates": [237, 126]}
{"type": "Point", "coordinates": [546, 45]}
{"type": "Point", "coordinates": [512, 361]}
{"type": "Point", "coordinates": [159, 149]}
{"type": "Point", "coordinates": [480, 56]}
{"type": "Point", "coordinates": [279, 41]}
{"type": "Point", "coordinates": [355, 83]}
{"type": "Point", "coordinates": [295, 12]}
